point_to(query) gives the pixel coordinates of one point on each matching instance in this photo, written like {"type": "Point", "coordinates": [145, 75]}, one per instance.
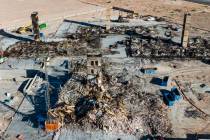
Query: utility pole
{"type": "Point", "coordinates": [185, 30]}
{"type": "Point", "coordinates": [35, 24]}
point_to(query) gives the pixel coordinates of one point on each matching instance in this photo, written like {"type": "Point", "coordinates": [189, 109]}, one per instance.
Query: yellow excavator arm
{"type": "Point", "coordinates": [25, 29]}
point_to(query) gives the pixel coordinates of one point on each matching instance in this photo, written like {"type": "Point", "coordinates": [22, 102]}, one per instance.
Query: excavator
{"type": "Point", "coordinates": [28, 28]}
{"type": "Point", "coordinates": [24, 30]}
{"type": "Point", "coordinates": [52, 124]}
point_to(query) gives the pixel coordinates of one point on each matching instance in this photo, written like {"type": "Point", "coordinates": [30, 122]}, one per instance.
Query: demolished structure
{"type": "Point", "coordinates": [103, 86]}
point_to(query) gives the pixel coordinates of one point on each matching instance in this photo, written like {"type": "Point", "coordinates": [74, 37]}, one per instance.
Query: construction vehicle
{"type": "Point", "coordinates": [28, 29]}
{"type": "Point", "coordinates": [24, 30]}
{"type": "Point", "coordinates": [52, 124]}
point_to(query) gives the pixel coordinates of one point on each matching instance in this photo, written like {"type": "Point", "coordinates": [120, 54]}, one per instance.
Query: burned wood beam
{"type": "Point", "coordinates": [123, 10]}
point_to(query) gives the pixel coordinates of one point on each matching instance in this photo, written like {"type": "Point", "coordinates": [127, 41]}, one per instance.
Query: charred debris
{"type": "Point", "coordinates": [158, 42]}
{"type": "Point", "coordinates": [94, 99]}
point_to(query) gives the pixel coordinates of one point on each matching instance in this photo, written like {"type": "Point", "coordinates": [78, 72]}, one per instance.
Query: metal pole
{"type": "Point", "coordinates": [35, 24]}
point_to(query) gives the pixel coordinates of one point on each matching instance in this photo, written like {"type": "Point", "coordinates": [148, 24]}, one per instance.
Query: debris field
{"type": "Point", "coordinates": [135, 78]}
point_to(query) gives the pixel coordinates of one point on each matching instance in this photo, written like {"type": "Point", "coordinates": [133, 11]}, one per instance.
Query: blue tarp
{"type": "Point", "coordinates": [175, 91]}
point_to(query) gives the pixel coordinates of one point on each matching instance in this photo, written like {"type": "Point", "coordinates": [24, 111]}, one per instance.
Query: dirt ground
{"type": "Point", "coordinates": [170, 9]}
{"type": "Point", "coordinates": [191, 124]}
{"type": "Point", "coordinates": [17, 12]}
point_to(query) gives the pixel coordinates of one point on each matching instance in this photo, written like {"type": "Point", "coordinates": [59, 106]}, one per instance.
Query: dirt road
{"type": "Point", "coordinates": [17, 12]}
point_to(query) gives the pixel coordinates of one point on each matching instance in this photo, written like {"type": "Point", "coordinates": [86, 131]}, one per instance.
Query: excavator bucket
{"type": "Point", "coordinates": [52, 125]}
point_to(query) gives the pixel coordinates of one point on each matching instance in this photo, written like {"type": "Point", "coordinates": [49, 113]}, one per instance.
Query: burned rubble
{"type": "Point", "coordinates": [52, 49]}
{"type": "Point", "coordinates": [119, 106]}
{"type": "Point", "coordinates": [97, 95]}
{"type": "Point", "coordinates": [143, 42]}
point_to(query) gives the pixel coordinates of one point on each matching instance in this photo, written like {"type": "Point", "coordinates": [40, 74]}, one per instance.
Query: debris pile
{"type": "Point", "coordinates": [146, 42]}
{"type": "Point", "coordinates": [52, 49]}
{"type": "Point", "coordinates": [150, 42]}
{"type": "Point", "coordinates": [119, 107]}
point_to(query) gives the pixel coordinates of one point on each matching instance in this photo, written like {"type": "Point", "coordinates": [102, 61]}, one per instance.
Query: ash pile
{"type": "Point", "coordinates": [114, 103]}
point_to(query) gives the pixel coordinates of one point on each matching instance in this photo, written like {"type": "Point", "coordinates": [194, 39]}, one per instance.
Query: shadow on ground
{"type": "Point", "coordinates": [156, 81]}
{"type": "Point", "coordinates": [9, 35]}
{"type": "Point", "coordinates": [38, 101]}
